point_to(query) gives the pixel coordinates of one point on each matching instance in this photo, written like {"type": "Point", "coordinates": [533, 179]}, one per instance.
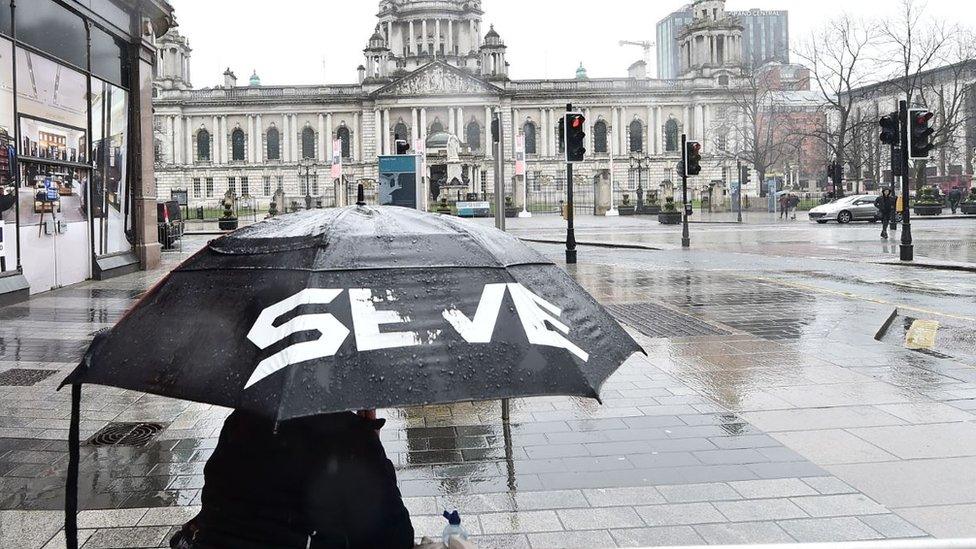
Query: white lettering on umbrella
{"type": "Point", "coordinates": [480, 329]}
{"type": "Point", "coordinates": [264, 333]}
{"type": "Point", "coordinates": [535, 312]}
{"type": "Point", "coordinates": [367, 321]}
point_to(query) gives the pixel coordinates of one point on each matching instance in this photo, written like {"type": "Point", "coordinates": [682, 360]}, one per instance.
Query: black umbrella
{"type": "Point", "coordinates": [363, 307]}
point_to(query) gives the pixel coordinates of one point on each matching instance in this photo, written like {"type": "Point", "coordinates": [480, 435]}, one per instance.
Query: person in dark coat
{"type": "Point", "coordinates": [321, 482]}
{"type": "Point", "coordinates": [886, 209]}
{"type": "Point", "coordinates": [955, 197]}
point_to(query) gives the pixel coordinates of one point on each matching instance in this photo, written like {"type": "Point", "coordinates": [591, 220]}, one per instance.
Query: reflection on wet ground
{"type": "Point", "coordinates": [787, 422]}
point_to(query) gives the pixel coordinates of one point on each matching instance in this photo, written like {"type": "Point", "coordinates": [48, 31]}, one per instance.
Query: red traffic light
{"type": "Point", "coordinates": [923, 118]}
{"type": "Point", "coordinates": [696, 147]}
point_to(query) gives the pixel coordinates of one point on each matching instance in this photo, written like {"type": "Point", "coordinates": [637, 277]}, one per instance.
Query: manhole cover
{"type": "Point", "coordinates": [126, 434]}
{"type": "Point", "coordinates": [656, 321]}
{"type": "Point", "coordinates": [22, 377]}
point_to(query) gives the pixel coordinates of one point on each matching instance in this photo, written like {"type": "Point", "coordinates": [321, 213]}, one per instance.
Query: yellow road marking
{"type": "Point", "coordinates": [921, 335]}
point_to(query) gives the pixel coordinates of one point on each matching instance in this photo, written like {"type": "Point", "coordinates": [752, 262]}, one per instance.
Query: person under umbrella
{"type": "Point", "coordinates": [326, 312]}
{"type": "Point", "coordinates": [321, 482]}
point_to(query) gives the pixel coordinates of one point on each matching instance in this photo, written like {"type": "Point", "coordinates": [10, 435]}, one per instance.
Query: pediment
{"type": "Point", "coordinates": [437, 79]}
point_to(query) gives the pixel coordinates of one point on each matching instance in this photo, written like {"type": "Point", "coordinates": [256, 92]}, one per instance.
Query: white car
{"type": "Point", "coordinates": [859, 207]}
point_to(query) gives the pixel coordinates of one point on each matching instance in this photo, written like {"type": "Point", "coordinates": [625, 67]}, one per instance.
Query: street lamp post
{"type": "Point", "coordinates": [639, 164]}
{"type": "Point", "coordinates": [306, 169]}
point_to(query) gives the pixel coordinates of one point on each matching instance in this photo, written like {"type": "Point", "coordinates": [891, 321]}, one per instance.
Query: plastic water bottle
{"type": "Point", "coordinates": [453, 528]}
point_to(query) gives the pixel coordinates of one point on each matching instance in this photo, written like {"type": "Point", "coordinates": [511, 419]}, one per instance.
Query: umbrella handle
{"type": "Point", "coordinates": [71, 483]}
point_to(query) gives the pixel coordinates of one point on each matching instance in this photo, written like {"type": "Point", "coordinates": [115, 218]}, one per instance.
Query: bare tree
{"type": "Point", "coordinates": [756, 121]}
{"type": "Point", "coordinates": [839, 58]}
{"type": "Point", "coordinates": [934, 68]}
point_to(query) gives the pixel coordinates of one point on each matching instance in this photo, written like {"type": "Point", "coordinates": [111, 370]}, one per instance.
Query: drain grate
{"type": "Point", "coordinates": [126, 434]}
{"type": "Point", "coordinates": [23, 377]}
{"type": "Point", "coordinates": [656, 321]}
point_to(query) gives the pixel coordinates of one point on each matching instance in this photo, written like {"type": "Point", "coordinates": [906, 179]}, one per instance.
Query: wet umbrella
{"type": "Point", "coordinates": [355, 308]}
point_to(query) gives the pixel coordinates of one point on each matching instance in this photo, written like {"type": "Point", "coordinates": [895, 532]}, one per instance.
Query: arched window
{"type": "Point", "coordinates": [636, 136]}
{"type": "Point", "coordinates": [308, 143]}
{"type": "Point", "coordinates": [274, 144]}
{"type": "Point", "coordinates": [600, 137]}
{"type": "Point", "coordinates": [529, 131]}
{"type": "Point", "coordinates": [237, 145]}
{"type": "Point", "coordinates": [671, 135]}
{"type": "Point", "coordinates": [436, 127]}
{"type": "Point", "coordinates": [203, 145]}
{"type": "Point", "coordinates": [473, 135]}
{"type": "Point", "coordinates": [343, 136]}
{"type": "Point", "coordinates": [401, 133]}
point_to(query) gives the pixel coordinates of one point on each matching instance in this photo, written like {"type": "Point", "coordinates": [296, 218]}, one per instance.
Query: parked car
{"type": "Point", "coordinates": [169, 221]}
{"type": "Point", "coordinates": [858, 207]}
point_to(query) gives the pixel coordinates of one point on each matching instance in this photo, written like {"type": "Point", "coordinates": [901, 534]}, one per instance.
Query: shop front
{"type": "Point", "coordinates": [75, 195]}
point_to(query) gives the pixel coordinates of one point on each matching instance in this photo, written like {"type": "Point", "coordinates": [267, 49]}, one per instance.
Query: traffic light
{"type": "Point", "coordinates": [575, 124]}
{"type": "Point", "coordinates": [746, 177]}
{"type": "Point", "coordinates": [889, 129]}
{"type": "Point", "coordinates": [402, 146]}
{"type": "Point", "coordinates": [920, 133]}
{"type": "Point", "coordinates": [692, 159]}
{"type": "Point", "coordinates": [835, 172]}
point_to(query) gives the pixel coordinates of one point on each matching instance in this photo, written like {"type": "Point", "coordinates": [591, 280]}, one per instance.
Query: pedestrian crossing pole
{"type": "Point", "coordinates": [685, 234]}
{"type": "Point", "coordinates": [907, 249]}
{"type": "Point", "coordinates": [570, 229]}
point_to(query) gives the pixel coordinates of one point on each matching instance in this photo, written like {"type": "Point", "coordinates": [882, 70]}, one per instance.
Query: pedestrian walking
{"type": "Point", "coordinates": [784, 206]}
{"type": "Point", "coordinates": [320, 482]}
{"type": "Point", "coordinates": [794, 204]}
{"type": "Point", "coordinates": [886, 209]}
{"type": "Point", "coordinates": [955, 197]}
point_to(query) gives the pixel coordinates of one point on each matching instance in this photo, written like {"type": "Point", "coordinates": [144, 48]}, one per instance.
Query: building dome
{"type": "Point", "coordinates": [255, 79]}
{"type": "Point", "coordinates": [581, 72]}
{"type": "Point", "coordinates": [492, 33]}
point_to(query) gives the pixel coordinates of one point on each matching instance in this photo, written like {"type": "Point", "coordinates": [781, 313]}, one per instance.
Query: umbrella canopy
{"type": "Point", "coordinates": [363, 307]}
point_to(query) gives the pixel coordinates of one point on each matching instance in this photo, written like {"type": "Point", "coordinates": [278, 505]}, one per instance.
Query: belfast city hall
{"type": "Point", "coordinates": [433, 76]}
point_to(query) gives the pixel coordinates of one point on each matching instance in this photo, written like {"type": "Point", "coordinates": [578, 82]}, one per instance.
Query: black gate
{"type": "Point", "coordinates": [549, 197]}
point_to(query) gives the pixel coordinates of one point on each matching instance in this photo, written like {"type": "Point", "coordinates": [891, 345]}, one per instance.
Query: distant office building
{"type": "Point", "coordinates": [765, 38]}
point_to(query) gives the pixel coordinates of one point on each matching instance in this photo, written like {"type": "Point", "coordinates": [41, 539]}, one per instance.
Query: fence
{"type": "Point", "coordinates": [549, 198]}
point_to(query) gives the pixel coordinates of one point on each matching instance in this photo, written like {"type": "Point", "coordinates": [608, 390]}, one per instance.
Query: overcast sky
{"type": "Point", "coordinates": [321, 41]}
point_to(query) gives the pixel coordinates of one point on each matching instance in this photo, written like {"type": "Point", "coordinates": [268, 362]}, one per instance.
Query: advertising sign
{"type": "Point", "coordinates": [336, 159]}
{"type": "Point", "coordinates": [474, 209]}
{"type": "Point", "coordinates": [398, 181]}
{"type": "Point", "coordinates": [520, 155]}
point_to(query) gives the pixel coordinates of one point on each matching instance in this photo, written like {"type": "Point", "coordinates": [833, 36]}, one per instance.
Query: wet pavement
{"type": "Point", "coordinates": [766, 411]}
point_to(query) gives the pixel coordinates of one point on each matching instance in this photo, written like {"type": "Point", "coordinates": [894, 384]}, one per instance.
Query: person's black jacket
{"type": "Point", "coordinates": [886, 204]}
{"type": "Point", "coordinates": [955, 195]}
{"type": "Point", "coordinates": [325, 477]}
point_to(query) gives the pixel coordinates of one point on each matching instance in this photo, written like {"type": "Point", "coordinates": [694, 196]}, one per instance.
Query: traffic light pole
{"type": "Point", "coordinates": [738, 195]}
{"type": "Point", "coordinates": [570, 230]}
{"type": "Point", "coordinates": [499, 172]}
{"type": "Point", "coordinates": [907, 248]}
{"type": "Point", "coordinates": [685, 234]}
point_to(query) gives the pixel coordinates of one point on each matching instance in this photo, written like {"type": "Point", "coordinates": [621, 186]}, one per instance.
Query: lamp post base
{"type": "Point", "coordinates": [525, 213]}
{"type": "Point", "coordinates": [612, 212]}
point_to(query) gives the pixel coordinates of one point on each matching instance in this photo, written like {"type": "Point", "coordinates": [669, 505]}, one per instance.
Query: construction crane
{"type": "Point", "coordinates": [647, 45]}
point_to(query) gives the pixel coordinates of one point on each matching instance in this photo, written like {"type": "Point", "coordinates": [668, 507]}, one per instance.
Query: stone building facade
{"type": "Point", "coordinates": [431, 69]}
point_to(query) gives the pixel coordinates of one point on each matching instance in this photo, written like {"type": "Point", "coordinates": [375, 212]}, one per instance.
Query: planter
{"type": "Point", "coordinates": [511, 211]}
{"type": "Point", "coordinates": [229, 224]}
{"type": "Point", "coordinates": [928, 209]}
{"type": "Point", "coordinates": [669, 218]}
{"type": "Point", "coordinates": [627, 210]}
{"type": "Point", "coordinates": [968, 208]}
{"type": "Point", "coordinates": [653, 209]}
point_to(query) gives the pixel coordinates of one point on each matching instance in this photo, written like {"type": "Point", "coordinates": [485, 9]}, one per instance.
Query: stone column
{"type": "Point", "coordinates": [414, 125]}
{"type": "Point", "coordinates": [142, 175]}
{"type": "Point", "coordinates": [487, 141]}
{"type": "Point", "coordinates": [612, 138]}
{"type": "Point", "coordinates": [423, 126]}
{"type": "Point", "coordinates": [283, 139]}
{"type": "Point", "coordinates": [249, 138]}
{"type": "Point", "coordinates": [462, 135]}
{"type": "Point", "coordinates": [215, 141]}
{"type": "Point", "coordinates": [328, 138]}
{"type": "Point", "coordinates": [699, 122]}
{"type": "Point", "coordinates": [171, 141]}
{"type": "Point", "coordinates": [258, 140]}
{"type": "Point", "coordinates": [423, 37]}
{"type": "Point", "coordinates": [624, 126]}
{"type": "Point", "coordinates": [658, 137]}
{"type": "Point", "coordinates": [473, 35]}
{"type": "Point", "coordinates": [189, 140]}
{"type": "Point", "coordinates": [590, 149]}
{"type": "Point", "coordinates": [437, 35]}
{"type": "Point", "coordinates": [387, 138]}
{"type": "Point", "coordinates": [686, 122]}
{"type": "Point", "coordinates": [450, 37]}
{"type": "Point", "coordinates": [452, 121]}
{"type": "Point", "coordinates": [413, 40]}
{"type": "Point", "coordinates": [357, 139]}
{"type": "Point", "coordinates": [322, 139]}
{"type": "Point", "coordinates": [379, 132]}
{"type": "Point", "coordinates": [515, 131]}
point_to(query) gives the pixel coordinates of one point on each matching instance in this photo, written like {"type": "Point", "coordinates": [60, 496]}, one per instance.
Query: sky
{"type": "Point", "coordinates": [321, 41]}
